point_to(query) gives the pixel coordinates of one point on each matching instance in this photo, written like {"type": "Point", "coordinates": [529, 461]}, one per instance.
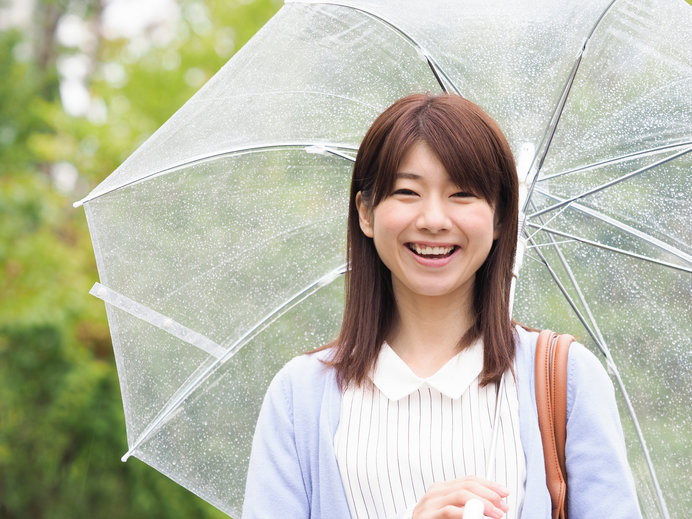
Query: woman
{"type": "Point", "coordinates": [396, 417]}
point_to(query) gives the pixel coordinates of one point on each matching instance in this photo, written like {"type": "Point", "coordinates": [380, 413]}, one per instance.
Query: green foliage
{"type": "Point", "coordinates": [61, 419]}
{"type": "Point", "coordinates": [62, 429]}
{"type": "Point", "coordinates": [62, 426]}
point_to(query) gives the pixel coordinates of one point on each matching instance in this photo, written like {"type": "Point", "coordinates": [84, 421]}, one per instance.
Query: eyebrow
{"type": "Point", "coordinates": [410, 176]}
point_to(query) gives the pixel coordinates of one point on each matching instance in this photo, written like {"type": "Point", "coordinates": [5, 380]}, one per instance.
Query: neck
{"type": "Point", "coordinates": [427, 331]}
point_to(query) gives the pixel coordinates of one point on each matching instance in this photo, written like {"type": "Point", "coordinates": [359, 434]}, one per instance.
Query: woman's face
{"type": "Point", "coordinates": [431, 234]}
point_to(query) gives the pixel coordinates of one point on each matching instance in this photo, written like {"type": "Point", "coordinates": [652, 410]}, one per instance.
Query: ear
{"type": "Point", "coordinates": [497, 226]}
{"type": "Point", "coordinates": [364, 216]}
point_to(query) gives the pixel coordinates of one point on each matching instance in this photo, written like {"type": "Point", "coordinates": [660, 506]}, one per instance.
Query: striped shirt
{"type": "Point", "coordinates": [402, 433]}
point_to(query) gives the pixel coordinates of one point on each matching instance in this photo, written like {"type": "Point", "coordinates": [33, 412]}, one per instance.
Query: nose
{"type": "Point", "coordinates": [433, 216]}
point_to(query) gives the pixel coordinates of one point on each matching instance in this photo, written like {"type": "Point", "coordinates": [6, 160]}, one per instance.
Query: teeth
{"type": "Point", "coordinates": [426, 250]}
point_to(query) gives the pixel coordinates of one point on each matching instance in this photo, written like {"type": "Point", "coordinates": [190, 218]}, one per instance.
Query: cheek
{"type": "Point", "coordinates": [384, 237]}
{"type": "Point", "coordinates": [388, 221]}
{"type": "Point", "coordinates": [481, 224]}
{"type": "Point", "coordinates": [387, 230]}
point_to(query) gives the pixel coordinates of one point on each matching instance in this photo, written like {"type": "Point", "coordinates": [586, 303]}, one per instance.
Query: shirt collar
{"type": "Point", "coordinates": [395, 379]}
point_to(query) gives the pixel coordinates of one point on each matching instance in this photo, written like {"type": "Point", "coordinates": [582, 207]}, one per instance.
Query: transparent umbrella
{"type": "Point", "coordinates": [220, 242]}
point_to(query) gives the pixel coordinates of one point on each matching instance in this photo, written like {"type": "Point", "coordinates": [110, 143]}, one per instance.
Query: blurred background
{"type": "Point", "coordinates": [82, 84]}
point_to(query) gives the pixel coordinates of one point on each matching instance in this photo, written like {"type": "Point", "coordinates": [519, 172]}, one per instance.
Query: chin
{"type": "Point", "coordinates": [436, 291]}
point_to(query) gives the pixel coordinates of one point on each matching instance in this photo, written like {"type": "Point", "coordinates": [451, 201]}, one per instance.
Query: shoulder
{"type": "Point", "coordinates": [525, 350]}
{"type": "Point", "coordinates": [305, 397]}
{"type": "Point", "coordinates": [306, 369]}
{"type": "Point", "coordinates": [303, 379]}
{"type": "Point", "coordinates": [525, 339]}
{"type": "Point", "coordinates": [590, 389]}
{"type": "Point", "coordinates": [586, 376]}
{"type": "Point", "coordinates": [600, 480]}
{"type": "Point", "coordinates": [582, 362]}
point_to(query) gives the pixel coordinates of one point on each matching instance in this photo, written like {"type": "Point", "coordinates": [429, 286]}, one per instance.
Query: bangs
{"type": "Point", "coordinates": [472, 167]}
{"type": "Point", "coordinates": [467, 145]}
{"type": "Point", "coordinates": [399, 138]}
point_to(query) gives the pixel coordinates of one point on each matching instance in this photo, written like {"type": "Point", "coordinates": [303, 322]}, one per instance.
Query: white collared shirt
{"type": "Point", "coordinates": [402, 433]}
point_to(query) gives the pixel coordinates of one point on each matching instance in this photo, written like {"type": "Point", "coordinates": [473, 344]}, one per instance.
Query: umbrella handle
{"type": "Point", "coordinates": [473, 509]}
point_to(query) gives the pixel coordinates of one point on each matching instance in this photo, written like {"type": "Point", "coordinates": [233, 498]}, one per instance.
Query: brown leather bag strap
{"type": "Point", "coordinates": [551, 401]}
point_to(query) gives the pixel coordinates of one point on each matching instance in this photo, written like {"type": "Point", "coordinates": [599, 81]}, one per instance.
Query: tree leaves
{"type": "Point", "coordinates": [61, 420]}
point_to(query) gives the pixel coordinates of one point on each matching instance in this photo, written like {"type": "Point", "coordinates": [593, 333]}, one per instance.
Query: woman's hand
{"type": "Point", "coordinates": [447, 499]}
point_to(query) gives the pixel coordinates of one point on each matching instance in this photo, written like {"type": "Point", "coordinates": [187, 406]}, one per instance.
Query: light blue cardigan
{"type": "Point", "coordinates": [293, 473]}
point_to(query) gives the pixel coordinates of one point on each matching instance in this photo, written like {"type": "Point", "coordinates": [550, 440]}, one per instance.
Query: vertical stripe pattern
{"type": "Point", "coordinates": [389, 452]}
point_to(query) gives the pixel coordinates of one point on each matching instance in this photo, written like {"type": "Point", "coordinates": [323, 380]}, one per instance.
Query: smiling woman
{"type": "Point", "coordinates": [399, 416]}
{"type": "Point", "coordinates": [457, 157]}
{"type": "Point", "coordinates": [431, 234]}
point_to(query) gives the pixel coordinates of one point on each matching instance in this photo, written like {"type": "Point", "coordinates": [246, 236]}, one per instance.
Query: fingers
{"type": "Point", "coordinates": [447, 499]}
{"type": "Point", "coordinates": [458, 491]}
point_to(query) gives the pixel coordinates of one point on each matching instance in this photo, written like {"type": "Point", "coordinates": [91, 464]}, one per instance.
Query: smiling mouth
{"type": "Point", "coordinates": [427, 251]}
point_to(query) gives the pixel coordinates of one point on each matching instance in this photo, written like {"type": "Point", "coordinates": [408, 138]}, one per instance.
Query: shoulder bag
{"type": "Point", "coordinates": [551, 402]}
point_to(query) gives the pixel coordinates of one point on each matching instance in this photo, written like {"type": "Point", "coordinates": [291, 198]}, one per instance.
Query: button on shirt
{"type": "Point", "coordinates": [402, 433]}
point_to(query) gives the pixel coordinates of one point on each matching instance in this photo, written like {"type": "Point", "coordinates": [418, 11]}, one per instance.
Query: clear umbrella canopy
{"type": "Point", "coordinates": [220, 242]}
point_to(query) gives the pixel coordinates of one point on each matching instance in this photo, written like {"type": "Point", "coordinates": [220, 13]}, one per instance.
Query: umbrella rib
{"type": "Point", "coordinates": [616, 373]}
{"type": "Point", "coordinates": [551, 129]}
{"type": "Point", "coordinates": [163, 322]}
{"type": "Point", "coordinates": [320, 149]}
{"type": "Point", "coordinates": [562, 242]}
{"type": "Point", "coordinates": [575, 284]}
{"type": "Point", "coordinates": [616, 160]}
{"type": "Point", "coordinates": [572, 237]}
{"type": "Point", "coordinates": [436, 69]}
{"type": "Point", "coordinates": [232, 259]}
{"type": "Point", "coordinates": [647, 238]}
{"type": "Point", "coordinates": [190, 386]}
{"type": "Point", "coordinates": [559, 109]}
{"type": "Point", "coordinates": [272, 316]}
{"type": "Point", "coordinates": [544, 224]}
{"type": "Point", "coordinates": [309, 147]}
{"type": "Point", "coordinates": [613, 182]}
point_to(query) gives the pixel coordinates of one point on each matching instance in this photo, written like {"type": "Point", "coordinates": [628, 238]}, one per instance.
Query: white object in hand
{"type": "Point", "coordinates": [473, 509]}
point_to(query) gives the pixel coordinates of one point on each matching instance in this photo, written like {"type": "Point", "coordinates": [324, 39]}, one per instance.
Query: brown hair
{"type": "Point", "coordinates": [475, 153]}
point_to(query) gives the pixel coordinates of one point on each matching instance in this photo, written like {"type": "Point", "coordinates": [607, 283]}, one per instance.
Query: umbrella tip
{"type": "Point", "coordinates": [316, 149]}
{"type": "Point", "coordinates": [78, 203]}
{"type": "Point", "coordinates": [99, 291]}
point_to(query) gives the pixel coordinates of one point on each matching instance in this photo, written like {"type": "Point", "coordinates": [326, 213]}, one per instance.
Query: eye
{"type": "Point", "coordinates": [404, 192]}
{"type": "Point", "coordinates": [463, 194]}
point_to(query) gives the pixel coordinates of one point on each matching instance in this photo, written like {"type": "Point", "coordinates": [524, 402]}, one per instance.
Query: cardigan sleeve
{"type": "Point", "coordinates": [599, 479]}
{"type": "Point", "coordinates": [275, 486]}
